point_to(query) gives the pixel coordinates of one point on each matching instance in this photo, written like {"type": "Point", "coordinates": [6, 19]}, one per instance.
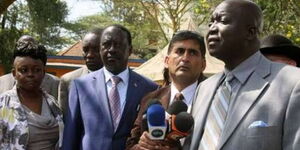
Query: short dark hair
{"type": "Point", "coordinates": [129, 39]}
{"type": "Point", "coordinates": [96, 31]}
{"type": "Point", "coordinates": [188, 35]}
{"type": "Point", "coordinates": [32, 50]}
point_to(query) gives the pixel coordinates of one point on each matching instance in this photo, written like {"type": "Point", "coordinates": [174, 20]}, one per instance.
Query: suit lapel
{"type": "Point", "coordinates": [165, 99]}
{"type": "Point", "coordinates": [249, 95]}
{"type": "Point", "coordinates": [201, 105]}
{"type": "Point", "coordinates": [102, 98]}
{"type": "Point", "coordinates": [133, 88]}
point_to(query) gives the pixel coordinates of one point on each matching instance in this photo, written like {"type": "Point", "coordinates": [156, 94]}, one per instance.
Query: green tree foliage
{"type": "Point", "coordinates": [46, 18]}
{"type": "Point", "coordinates": [4, 4]}
{"type": "Point", "coordinates": [147, 37]}
{"type": "Point", "coordinates": [78, 28]}
{"type": "Point", "coordinates": [148, 20]}
{"type": "Point", "coordinates": [9, 32]}
{"type": "Point", "coordinates": [280, 16]}
{"type": "Point", "coordinates": [7, 44]}
{"type": "Point", "coordinates": [41, 19]}
{"type": "Point", "coordinates": [167, 14]}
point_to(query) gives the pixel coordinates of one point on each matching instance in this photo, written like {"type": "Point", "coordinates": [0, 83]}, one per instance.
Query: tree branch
{"type": "Point", "coordinates": [4, 4]}
{"type": "Point", "coordinates": [155, 18]}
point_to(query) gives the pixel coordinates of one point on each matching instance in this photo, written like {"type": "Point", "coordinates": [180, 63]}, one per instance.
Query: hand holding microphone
{"type": "Point", "coordinates": [164, 127]}
{"type": "Point", "coordinates": [180, 122]}
{"type": "Point", "coordinates": [180, 125]}
{"type": "Point", "coordinates": [144, 126]}
{"type": "Point", "coordinates": [157, 124]}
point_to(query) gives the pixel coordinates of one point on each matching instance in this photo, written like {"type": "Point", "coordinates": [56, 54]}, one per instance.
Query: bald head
{"type": "Point", "coordinates": [250, 11]}
{"type": "Point", "coordinates": [233, 31]}
{"type": "Point", "coordinates": [24, 40]}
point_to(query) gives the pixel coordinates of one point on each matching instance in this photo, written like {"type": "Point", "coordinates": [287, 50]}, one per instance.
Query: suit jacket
{"type": "Point", "coordinates": [89, 124]}
{"type": "Point", "coordinates": [64, 86]}
{"type": "Point", "coordinates": [163, 95]}
{"type": "Point", "coordinates": [49, 84]}
{"type": "Point", "coordinates": [266, 111]}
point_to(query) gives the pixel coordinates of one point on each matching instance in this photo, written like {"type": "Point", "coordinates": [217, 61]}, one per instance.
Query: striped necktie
{"type": "Point", "coordinates": [216, 116]}
{"type": "Point", "coordinates": [114, 101]}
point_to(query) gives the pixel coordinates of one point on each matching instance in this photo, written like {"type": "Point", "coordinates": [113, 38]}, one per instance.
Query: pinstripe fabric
{"type": "Point", "coordinates": [216, 117]}
{"type": "Point", "coordinates": [114, 101]}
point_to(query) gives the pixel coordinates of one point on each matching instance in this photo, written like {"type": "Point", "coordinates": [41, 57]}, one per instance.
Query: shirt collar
{"type": "Point", "coordinates": [243, 70]}
{"type": "Point", "coordinates": [124, 75]}
{"type": "Point", "coordinates": [187, 92]}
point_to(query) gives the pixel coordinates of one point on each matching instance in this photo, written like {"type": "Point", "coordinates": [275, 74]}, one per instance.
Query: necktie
{"type": "Point", "coordinates": [114, 101]}
{"type": "Point", "coordinates": [216, 116]}
{"type": "Point", "coordinates": [179, 97]}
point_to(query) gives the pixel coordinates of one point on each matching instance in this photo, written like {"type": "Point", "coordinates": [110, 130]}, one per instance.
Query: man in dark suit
{"type": "Point", "coordinates": [103, 104]}
{"type": "Point", "coordinates": [185, 63]}
{"type": "Point", "coordinates": [252, 105]}
{"type": "Point", "coordinates": [280, 49]}
{"type": "Point", "coordinates": [91, 56]}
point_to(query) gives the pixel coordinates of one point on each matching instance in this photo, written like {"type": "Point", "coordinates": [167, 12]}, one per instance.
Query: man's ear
{"type": "Point", "coordinates": [13, 71]}
{"type": "Point", "coordinates": [130, 50]}
{"type": "Point", "coordinates": [166, 62]}
{"type": "Point", "coordinates": [252, 33]}
{"type": "Point", "coordinates": [292, 62]}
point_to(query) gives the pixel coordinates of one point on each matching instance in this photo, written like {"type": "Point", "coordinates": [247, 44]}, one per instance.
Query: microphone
{"type": "Point", "coordinates": [144, 126]}
{"type": "Point", "coordinates": [157, 124]}
{"type": "Point", "coordinates": [180, 125]}
{"type": "Point", "coordinates": [177, 107]}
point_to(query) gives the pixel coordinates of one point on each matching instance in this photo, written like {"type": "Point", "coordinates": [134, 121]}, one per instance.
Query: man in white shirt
{"type": "Point", "coordinates": [254, 102]}
{"type": "Point", "coordinates": [103, 104]}
{"type": "Point", "coordinates": [184, 65]}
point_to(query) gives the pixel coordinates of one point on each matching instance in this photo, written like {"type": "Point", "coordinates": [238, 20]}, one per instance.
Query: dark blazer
{"type": "Point", "coordinates": [64, 86]}
{"type": "Point", "coordinates": [89, 124]}
{"type": "Point", "coordinates": [163, 95]}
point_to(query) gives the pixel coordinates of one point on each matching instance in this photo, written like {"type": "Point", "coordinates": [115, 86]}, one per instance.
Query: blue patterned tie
{"type": "Point", "coordinates": [114, 101]}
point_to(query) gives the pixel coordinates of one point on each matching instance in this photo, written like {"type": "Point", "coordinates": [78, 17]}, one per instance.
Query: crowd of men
{"type": "Point", "coordinates": [254, 103]}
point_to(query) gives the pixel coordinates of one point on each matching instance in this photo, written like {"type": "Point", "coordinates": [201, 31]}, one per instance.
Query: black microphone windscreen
{"type": "Point", "coordinates": [177, 107]}
{"type": "Point", "coordinates": [184, 121]}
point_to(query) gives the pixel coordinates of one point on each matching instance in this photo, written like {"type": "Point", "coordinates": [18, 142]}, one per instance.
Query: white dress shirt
{"type": "Point", "coordinates": [188, 94]}
{"type": "Point", "coordinates": [122, 86]}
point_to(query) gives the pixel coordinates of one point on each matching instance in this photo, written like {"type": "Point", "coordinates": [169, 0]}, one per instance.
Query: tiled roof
{"type": "Point", "coordinates": [74, 50]}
